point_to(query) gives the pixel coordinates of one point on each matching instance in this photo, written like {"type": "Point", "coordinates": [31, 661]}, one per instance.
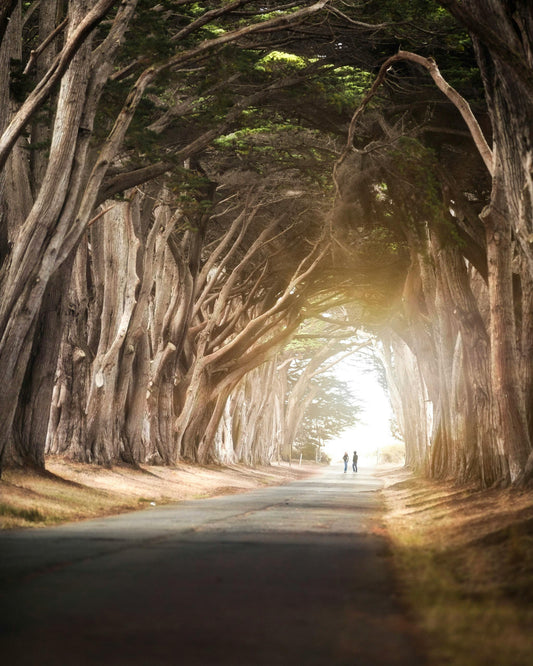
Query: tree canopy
{"type": "Point", "coordinates": [184, 184]}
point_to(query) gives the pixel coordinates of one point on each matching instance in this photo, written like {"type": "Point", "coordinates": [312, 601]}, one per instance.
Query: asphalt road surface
{"type": "Point", "coordinates": [294, 575]}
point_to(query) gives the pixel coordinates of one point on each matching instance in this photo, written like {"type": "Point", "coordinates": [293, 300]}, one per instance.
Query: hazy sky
{"type": "Point", "coordinates": [373, 431]}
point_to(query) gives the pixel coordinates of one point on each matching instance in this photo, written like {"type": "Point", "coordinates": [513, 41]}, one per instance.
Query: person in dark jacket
{"type": "Point", "coordinates": [354, 461]}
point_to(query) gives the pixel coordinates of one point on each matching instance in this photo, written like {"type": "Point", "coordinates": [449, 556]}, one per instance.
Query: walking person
{"type": "Point", "coordinates": [346, 457]}
{"type": "Point", "coordinates": [354, 461]}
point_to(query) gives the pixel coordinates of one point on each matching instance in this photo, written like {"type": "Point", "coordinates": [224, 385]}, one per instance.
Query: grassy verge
{"type": "Point", "coordinates": [28, 499]}
{"type": "Point", "coordinates": [69, 491]}
{"type": "Point", "coordinates": [464, 559]}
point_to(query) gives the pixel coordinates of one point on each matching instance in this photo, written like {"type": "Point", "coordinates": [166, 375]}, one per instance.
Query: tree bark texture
{"type": "Point", "coordinates": [510, 421]}
{"type": "Point", "coordinates": [38, 231]}
{"type": "Point", "coordinates": [411, 407]}
{"type": "Point", "coordinates": [27, 270]}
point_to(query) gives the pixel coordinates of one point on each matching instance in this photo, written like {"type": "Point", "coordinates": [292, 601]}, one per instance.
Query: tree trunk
{"type": "Point", "coordinates": [476, 445]}
{"type": "Point", "coordinates": [39, 246]}
{"type": "Point", "coordinates": [27, 271]}
{"type": "Point", "coordinates": [526, 344]}
{"type": "Point", "coordinates": [114, 250]}
{"type": "Point", "coordinates": [509, 408]}
{"type": "Point", "coordinates": [33, 413]}
{"type": "Point", "coordinates": [408, 399]}
{"type": "Point", "coordinates": [171, 311]}
{"type": "Point", "coordinates": [67, 431]}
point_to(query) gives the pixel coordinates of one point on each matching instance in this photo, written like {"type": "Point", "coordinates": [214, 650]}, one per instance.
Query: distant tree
{"type": "Point", "coordinates": [332, 410]}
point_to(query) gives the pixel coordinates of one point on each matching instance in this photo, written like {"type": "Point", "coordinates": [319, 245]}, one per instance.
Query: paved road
{"type": "Point", "coordinates": [294, 575]}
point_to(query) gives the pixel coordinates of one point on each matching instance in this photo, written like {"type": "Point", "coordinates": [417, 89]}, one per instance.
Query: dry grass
{"type": "Point", "coordinates": [464, 558]}
{"type": "Point", "coordinates": [72, 491]}
{"type": "Point", "coordinates": [465, 562]}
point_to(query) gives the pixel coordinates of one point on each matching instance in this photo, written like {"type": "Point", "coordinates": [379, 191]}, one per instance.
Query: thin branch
{"type": "Point", "coordinates": [35, 53]}
{"type": "Point", "coordinates": [239, 311]}
{"type": "Point", "coordinates": [458, 101]}
{"type": "Point", "coordinates": [360, 24]}
{"type": "Point", "coordinates": [204, 283]}
{"type": "Point", "coordinates": [100, 214]}
{"type": "Point", "coordinates": [260, 323]}
{"type": "Point", "coordinates": [335, 362]}
{"type": "Point", "coordinates": [207, 17]}
{"type": "Point", "coordinates": [128, 69]}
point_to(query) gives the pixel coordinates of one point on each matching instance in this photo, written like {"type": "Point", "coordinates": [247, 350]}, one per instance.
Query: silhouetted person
{"type": "Point", "coordinates": [354, 461]}
{"type": "Point", "coordinates": [346, 457]}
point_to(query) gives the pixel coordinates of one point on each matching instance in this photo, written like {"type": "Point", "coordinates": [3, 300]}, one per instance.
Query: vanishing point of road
{"type": "Point", "coordinates": [293, 575]}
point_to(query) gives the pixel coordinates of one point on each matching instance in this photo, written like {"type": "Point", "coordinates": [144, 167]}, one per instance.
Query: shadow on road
{"type": "Point", "coordinates": [290, 575]}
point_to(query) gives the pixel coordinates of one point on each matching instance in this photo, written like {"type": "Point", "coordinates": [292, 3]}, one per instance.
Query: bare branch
{"type": "Point", "coordinates": [35, 53]}
{"type": "Point", "coordinates": [100, 214]}
{"type": "Point", "coordinates": [361, 24]}
{"type": "Point", "coordinates": [259, 325]}
{"type": "Point", "coordinates": [207, 17]}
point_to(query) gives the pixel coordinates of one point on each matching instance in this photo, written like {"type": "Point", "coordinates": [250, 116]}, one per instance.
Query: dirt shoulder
{"type": "Point", "coordinates": [464, 562]}
{"type": "Point", "coordinates": [73, 491]}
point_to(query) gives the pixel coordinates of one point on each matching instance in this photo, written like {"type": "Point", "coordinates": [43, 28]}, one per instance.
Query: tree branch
{"type": "Point", "coordinates": [457, 100]}
{"type": "Point", "coordinates": [52, 76]}
{"type": "Point", "coordinates": [35, 53]}
{"type": "Point", "coordinates": [207, 17]}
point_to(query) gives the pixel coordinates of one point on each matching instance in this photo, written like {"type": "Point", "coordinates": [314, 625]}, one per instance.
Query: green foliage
{"type": "Point", "coordinates": [269, 143]}
{"type": "Point", "coordinates": [395, 430]}
{"type": "Point", "coordinates": [153, 27]}
{"type": "Point", "coordinates": [280, 62]}
{"type": "Point", "coordinates": [415, 164]}
{"type": "Point", "coordinates": [249, 138]}
{"type": "Point", "coordinates": [333, 410]}
{"type": "Point", "coordinates": [342, 87]}
{"type": "Point", "coordinates": [422, 200]}
{"type": "Point", "coordinates": [192, 191]}
{"type": "Point", "coordinates": [264, 14]}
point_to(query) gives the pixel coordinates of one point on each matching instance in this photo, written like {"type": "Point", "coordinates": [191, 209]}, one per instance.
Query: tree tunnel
{"type": "Point", "coordinates": [204, 207]}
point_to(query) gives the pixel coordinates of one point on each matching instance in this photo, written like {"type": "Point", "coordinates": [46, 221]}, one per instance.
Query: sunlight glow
{"type": "Point", "coordinates": [373, 431]}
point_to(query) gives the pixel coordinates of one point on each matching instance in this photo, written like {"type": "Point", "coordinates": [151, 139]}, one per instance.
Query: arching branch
{"type": "Point", "coordinates": [457, 100]}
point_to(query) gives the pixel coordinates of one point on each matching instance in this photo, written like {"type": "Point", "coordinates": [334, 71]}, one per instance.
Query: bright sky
{"type": "Point", "coordinates": [373, 431]}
